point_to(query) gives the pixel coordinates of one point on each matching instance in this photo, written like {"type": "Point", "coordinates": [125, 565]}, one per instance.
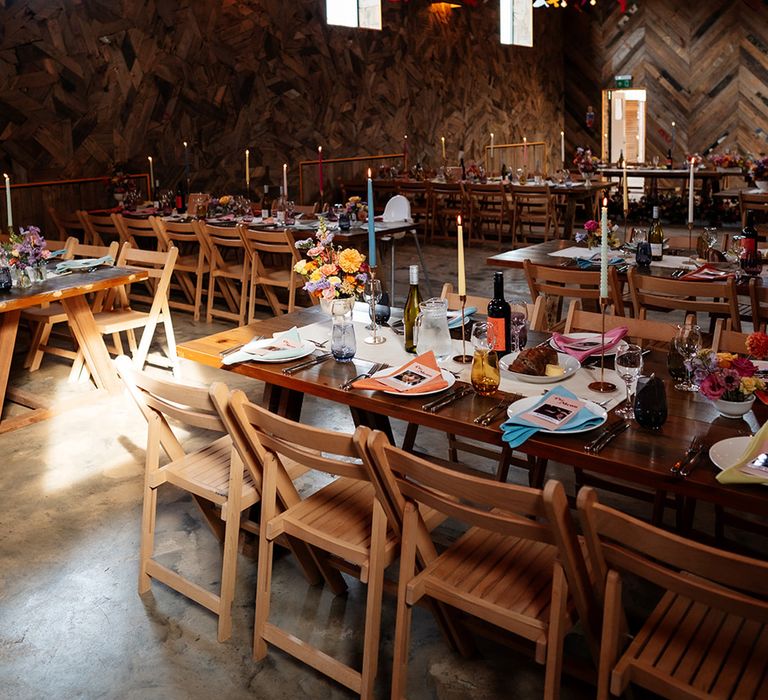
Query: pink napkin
{"type": "Point", "coordinates": [581, 348]}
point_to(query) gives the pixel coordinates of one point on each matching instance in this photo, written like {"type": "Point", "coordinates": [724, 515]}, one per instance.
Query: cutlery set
{"type": "Point", "coordinates": [606, 436]}
{"type": "Point", "coordinates": [235, 348]}
{"type": "Point", "coordinates": [494, 412]}
{"type": "Point", "coordinates": [376, 367]}
{"type": "Point", "coordinates": [307, 363]}
{"type": "Point", "coordinates": [448, 399]}
{"type": "Point", "coordinates": [687, 463]}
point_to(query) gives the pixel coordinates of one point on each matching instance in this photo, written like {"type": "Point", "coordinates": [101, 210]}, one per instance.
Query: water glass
{"type": "Point", "coordinates": [688, 343]}
{"type": "Point", "coordinates": [518, 321]}
{"type": "Point", "coordinates": [629, 365]}
{"type": "Point", "coordinates": [485, 376]}
{"type": "Point", "coordinates": [343, 342]}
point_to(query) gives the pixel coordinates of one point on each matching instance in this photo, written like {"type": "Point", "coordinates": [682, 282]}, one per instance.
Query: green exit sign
{"type": "Point", "coordinates": [623, 81]}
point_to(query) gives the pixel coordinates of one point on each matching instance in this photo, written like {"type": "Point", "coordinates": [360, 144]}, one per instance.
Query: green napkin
{"type": "Point", "coordinates": [757, 445]}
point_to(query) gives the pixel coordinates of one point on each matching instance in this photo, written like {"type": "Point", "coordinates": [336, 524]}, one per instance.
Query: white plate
{"type": "Point", "coordinates": [306, 349]}
{"type": "Point", "coordinates": [570, 364]}
{"type": "Point", "coordinates": [726, 453]}
{"type": "Point", "coordinates": [529, 402]}
{"type": "Point", "coordinates": [580, 336]}
{"type": "Point", "coordinates": [446, 375]}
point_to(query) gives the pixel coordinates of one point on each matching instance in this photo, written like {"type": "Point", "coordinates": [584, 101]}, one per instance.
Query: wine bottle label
{"type": "Point", "coordinates": [498, 333]}
{"type": "Point", "coordinates": [749, 244]}
{"type": "Point", "coordinates": [265, 213]}
{"type": "Point", "coordinates": [657, 250]}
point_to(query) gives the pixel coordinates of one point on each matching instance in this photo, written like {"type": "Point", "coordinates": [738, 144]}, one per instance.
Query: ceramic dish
{"type": "Point", "coordinates": [726, 453]}
{"type": "Point", "coordinates": [570, 364]}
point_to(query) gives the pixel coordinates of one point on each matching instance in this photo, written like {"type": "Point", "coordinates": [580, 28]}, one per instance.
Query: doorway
{"type": "Point", "coordinates": [624, 120]}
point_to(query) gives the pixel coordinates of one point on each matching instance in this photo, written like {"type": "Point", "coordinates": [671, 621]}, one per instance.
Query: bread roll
{"type": "Point", "coordinates": [534, 361]}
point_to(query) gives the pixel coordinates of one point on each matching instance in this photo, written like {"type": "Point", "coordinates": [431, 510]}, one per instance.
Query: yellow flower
{"type": "Point", "coordinates": [750, 384]}
{"type": "Point", "coordinates": [300, 267]}
{"type": "Point", "coordinates": [224, 200]}
{"type": "Point", "coordinates": [350, 260]}
{"type": "Point", "coordinates": [316, 276]}
{"type": "Point", "coordinates": [725, 359]}
{"type": "Point", "coordinates": [333, 281]}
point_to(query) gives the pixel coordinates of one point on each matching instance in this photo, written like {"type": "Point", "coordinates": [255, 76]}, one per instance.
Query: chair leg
{"type": "Point", "coordinates": [39, 338]}
{"type": "Point", "coordinates": [146, 546]}
{"type": "Point", "coordinates": [556, 634]}
{"type": "Point", "coordinates": [404, 611]}
{"type": "Point", "coordinates": [209, 304]}
{"type": "Point", "coordinates": [263, 591]}
{"type": "Point", "coordinates": [609, 645]}
{"type": "Point", "coordinates": [373, 601]}
{"type": "Point", "coordinates": [228, 575]}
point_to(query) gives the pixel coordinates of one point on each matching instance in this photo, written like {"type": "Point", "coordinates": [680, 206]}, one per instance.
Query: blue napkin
{"type": "Point", "coordinates": [454, 321]}
{"type": "Point", "coordinates": [516, 430]}
{"type": "Point", "coordinates": [82, 264]}
{"type": "Point", "coordinates": [587, 263]}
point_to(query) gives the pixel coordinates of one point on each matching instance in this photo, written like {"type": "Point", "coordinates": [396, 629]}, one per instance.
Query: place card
{"type": "Point", "coordinates": [554, 411]}
{"type": "Point", "coordinates": [410, 377]}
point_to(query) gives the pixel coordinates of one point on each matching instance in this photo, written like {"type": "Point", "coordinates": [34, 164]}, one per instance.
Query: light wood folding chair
{"type": "Point", "coordinates": [557, 283]}
{"type": "Point", "coordinates": [419, 194]}
{"type": "Point", "coordinates": [229, 270]}
{"type": "Point", "coordinates": [67, 224]}
{"type": "Point", "coordinates": [142, 235]}
{"type": "Point", "coordinates": [488, 205]}
{"type": "Point", "coordinates": [191, 263]}
{"type": "Point", "coordinates": [100, 227]}
{"type": "Point", "coordinates": [718, 299]}
{"type": "Point", "coordinates": [272, 257]}
{"type": "Point", "coordinates": [758, 297]}
{"type": "Point", "coordinates": [448, 201]}
{"type": "Point", "coordinates": [118, 317]}
{"type": "Point", "coordinates": [213, 475]}
{"type": "Point", "coordinates": [44, 318]}
{"type": "Point", "coordinates": [706, 638]}
{"type": "Point", "coordinates": [343, 519]}
{"type": "Point", "coordinates": [504, 569]}
{"type": "Point", "coordinates": [758, 205]}
{"type": "Point", "coordinates": [534, 214]}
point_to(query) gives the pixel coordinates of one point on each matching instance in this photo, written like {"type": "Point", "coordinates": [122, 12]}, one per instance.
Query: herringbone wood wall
{"type": "Point", "coordinates": [86, 83]}
{"type": "Point", "coordinates": [704, 64]}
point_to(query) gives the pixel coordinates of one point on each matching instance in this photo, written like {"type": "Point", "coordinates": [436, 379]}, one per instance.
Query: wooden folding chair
{"type": "Point", "coordinates": [191, 264]}
{"type": "Point", "coordinates": [100, 227]}
{"type": "Point", "coordinates": [718, 299]}
{"type": "Point", "coordinates": [213, 475]}
{"type": "Point", "coordinates": [118, 317]}
{"type": "Point", "coordinates": [272, 255]}
{"type": "Point", "coordinates": [142, 235]}
{"type": "Point", "coordinates": [504, 569]}
{"type": "Point", "coordinates": [488, 205]}
{"type": "Point", "coordinates": [67, 224]}
{"type": "Point", "coordinates": [534, 214]}
{"type": "Point", "coordinates": [419, 194]}
{"type": "Point", "coordinates": [706, 638]}
{"type": "Point", "coordinates": [343, 519]}
{"type": "Point", "coordinates": [556, 284]}
{"type": "Point", "coordinates": [229, 270]}
{"type": "Point", "coordinates": [758, 297]}
{"type": "Point", "coordinates": [757, 204]}
{"type": "Point", "coordinates": [43, 319]}
{"type": "Point", "coordinates": [448, 201]}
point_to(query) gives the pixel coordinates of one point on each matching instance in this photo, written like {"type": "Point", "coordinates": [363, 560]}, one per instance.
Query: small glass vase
{"type": "Point", "coordinates": [38, 273]}
{"type": "Point", "coordinates": [23, 280]}
{"type": "Point", "coordinates": [343, 342]}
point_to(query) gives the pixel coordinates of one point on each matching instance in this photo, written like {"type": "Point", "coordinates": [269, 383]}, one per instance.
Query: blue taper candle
{"type": "Point", "coordinates": [371, 229]}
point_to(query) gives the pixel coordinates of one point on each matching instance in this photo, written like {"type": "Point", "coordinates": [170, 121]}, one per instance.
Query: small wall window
{"type": "Point", "coordinates": [354, 13]}
{"type": "Point", "coordinates": [517, 22]}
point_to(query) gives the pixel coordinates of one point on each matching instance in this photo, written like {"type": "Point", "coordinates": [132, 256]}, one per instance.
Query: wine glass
{"type": "Point", "coordinates": [710, 236]}
{"type": "Point", "coordinates": [688, 343]}
{"type": "Point", "coordinates": [485, 375]}
{"type": "Point", "coordinates": [372, 294]}
{"type": "Point", "coordinates": [518, 318]}
{"type": "Point", "coordinates": [629, 365]}
{"type": "Point", "coordinates": [733, 253]}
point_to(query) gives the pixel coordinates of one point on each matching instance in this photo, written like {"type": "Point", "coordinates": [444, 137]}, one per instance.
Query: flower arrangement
{"type": "Point", "coordinates": [475, 173]}
{"type": "Point", "coordinates": [727, 160]}
{"type": "Point", "coordinates": [585, 161]}
{"type": "Point", "coordinates": [758, 168]}
{"type": "Point", "coordinates": [695, 158]}
{"type": "Point", "coordinates": [356, 208]}
{"type": "Point", "coordinates": [26, 249]}
{"type": "Point", "coordinates": [330, 271]}
{"type": "Point", "coordinates": [119, 183]}
{"type": "Point", "coordinates": [592, 234]}
{"type": "Point", "coordinates": [724, 375]}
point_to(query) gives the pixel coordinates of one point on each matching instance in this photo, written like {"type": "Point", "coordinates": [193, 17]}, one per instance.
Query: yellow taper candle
{"type": "Point", "coordinates": [462, 274]}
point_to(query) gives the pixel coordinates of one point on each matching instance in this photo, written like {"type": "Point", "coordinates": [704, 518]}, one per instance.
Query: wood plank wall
{"type": "Point", "coordinates": [704, 64]}
{"type": "Point", "coordinates": [83, 84]}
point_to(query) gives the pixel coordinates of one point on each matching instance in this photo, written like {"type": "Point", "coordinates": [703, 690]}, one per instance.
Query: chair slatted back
{"type": "Point", "coordinates": [758, 296]}
{"type": "Point", "coordinates": [140, 233]}
{"type": "Point", "coordinates": [649, 292]}
{"type": "Point", "coordinates": [159, 267]}
{"type": "Point", "coordinates": [101, 227]}
{"type": "Point", "coordinates": [67, 224]}
{"type": "Point", "coordinates": [726, 340]}
{"type": "Point", "coordinates": [715, 577]}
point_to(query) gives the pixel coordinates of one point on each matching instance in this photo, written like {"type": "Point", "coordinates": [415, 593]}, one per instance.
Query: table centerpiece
{"type": "Point", "coordinates": [592, 235]}
{"type": "Point", "coordinates": [25, 251]}
{"type": "Point", "coordinates": [758, 169]}
{"type": "Point", "coordinates": [586, 163]}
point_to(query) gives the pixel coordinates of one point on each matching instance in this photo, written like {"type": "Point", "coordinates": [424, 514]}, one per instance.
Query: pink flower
{"type": "Point", "coordinates": [744, 367]}
{"type": "Point", "coordinates": [591, 226]}
{"type": "Point", "coordinates": [314, 252]}
{"type": "Point", "coordinates": [731, 379]}
{"type": "Point", "coordinates": [712, 387]}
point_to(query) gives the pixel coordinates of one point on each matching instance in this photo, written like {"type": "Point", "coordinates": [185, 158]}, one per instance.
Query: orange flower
{"type": "Point", "coordinates": [757, 345]}
{"type": "Point", "coordinates": [350, 260]}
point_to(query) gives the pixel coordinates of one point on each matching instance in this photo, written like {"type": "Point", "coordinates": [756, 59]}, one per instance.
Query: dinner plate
{"type": "Point", "coordinates": [582, 336]}
{"type": "Point", "coordinates": [448, 376]}
{"type": "Point", "coordinates": [307, 348]}
{"type": "Point", "coordinates": [726, 453]}
{"type": "Point", "coordinates": [570, 364]}
{"type": "Point", "coordinates": [523, 405]}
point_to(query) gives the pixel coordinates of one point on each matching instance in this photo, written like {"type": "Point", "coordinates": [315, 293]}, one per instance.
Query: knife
{"type": "Point", "coordinates": [607, 438]}
{"type": "Point", "coordinates": [435, 406]}
{"type": "Point", "coordinates": [309, 363]}
{"type": "Point", "coordinates": [617, 427]}
{"type": "Point", "coordinates": [683, 461]}
{"type": "Point", "coordinates": [692, 462]}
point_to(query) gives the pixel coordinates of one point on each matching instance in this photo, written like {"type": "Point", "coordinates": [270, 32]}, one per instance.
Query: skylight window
{"type": "Point", "coordinates": [517, 22]}
{"type": "Point", "coordinates": [354, 13]}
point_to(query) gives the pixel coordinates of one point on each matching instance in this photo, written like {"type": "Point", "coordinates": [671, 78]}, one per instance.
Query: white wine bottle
{"type": "Point", "coordinates": [656, 237]}
{"type": "Point", "coordinates": [411, 310]}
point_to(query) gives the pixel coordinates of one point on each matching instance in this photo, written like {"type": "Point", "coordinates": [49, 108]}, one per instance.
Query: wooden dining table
{"type": "Point", "coordinates": [70, 290]}
{"type": "Point", "coordinates": [638, 456]}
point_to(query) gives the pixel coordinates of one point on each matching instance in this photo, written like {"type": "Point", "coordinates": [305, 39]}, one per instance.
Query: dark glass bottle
{"type": "Point", "coordinates": [750, 259]}
{"type": "Point", "coordinates": [669, 159]}
{"type": "Point", "coordinates": [265, 204]}
{"type": "Point", "coordinates": [411, 310]}
{"type": "Point", "coordinates": [651, 403]}
{"type": "Point", "coordinates": [656, 236]}
{"type": "Point", "coordinates": [499, 316]}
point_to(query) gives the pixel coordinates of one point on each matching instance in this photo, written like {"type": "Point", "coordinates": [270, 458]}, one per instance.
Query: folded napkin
{"type": "Point", "coordinates": [454, 317]}
{"type": "Point", "coordinates": [289, 343]}
{"type": "Point", "coordinates": [57, 253]}
{"type": "Point", "coordinates": [577, 347]}
{"type": "Point", "coordinates": [427, 360]}
{"type": "Point", "coordinates": [82, 264]}
{"type": "Point", "coordinates": [587, 263]}
{"type": "Point", "coordinates": [517, 430]}
{"type": "Point", "coordinates": [707, 273]}
{"type": "Point", "coordinates": [757, 445]}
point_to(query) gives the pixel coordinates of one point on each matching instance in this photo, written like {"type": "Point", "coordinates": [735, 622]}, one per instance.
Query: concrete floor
{"type": "Point", "coordinates": [72, 624]}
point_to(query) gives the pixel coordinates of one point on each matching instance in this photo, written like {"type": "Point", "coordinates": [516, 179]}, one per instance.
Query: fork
{"type": "Point", "coordinates": [346, 386]}
{"type": "Point", "coordinates": [235, 348]}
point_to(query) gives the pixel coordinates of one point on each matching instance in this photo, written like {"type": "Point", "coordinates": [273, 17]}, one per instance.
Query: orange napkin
{"type": "Point", "coordinates": [427, 360]}
{"type": "Point", "coordinates": [707, 273]}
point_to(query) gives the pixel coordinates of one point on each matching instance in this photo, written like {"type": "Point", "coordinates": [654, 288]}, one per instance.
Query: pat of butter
{"type": "Point", "coordinates": [554, 371]}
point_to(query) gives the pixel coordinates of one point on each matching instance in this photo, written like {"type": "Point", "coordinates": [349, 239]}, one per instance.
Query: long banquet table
{"type": "Point", "coordinates": [70, 290]}
{"type": "Point", "coordinates": [638, 456]}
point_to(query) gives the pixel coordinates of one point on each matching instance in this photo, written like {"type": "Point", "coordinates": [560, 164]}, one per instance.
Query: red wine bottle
{"type": "Point", "coordinates": [499, 316]}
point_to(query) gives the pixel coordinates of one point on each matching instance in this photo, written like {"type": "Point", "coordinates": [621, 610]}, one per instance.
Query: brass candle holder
{"type": "Point", "coordinates": [602, 386]}
{"type": "Point", "coordinates": [463, 359]}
